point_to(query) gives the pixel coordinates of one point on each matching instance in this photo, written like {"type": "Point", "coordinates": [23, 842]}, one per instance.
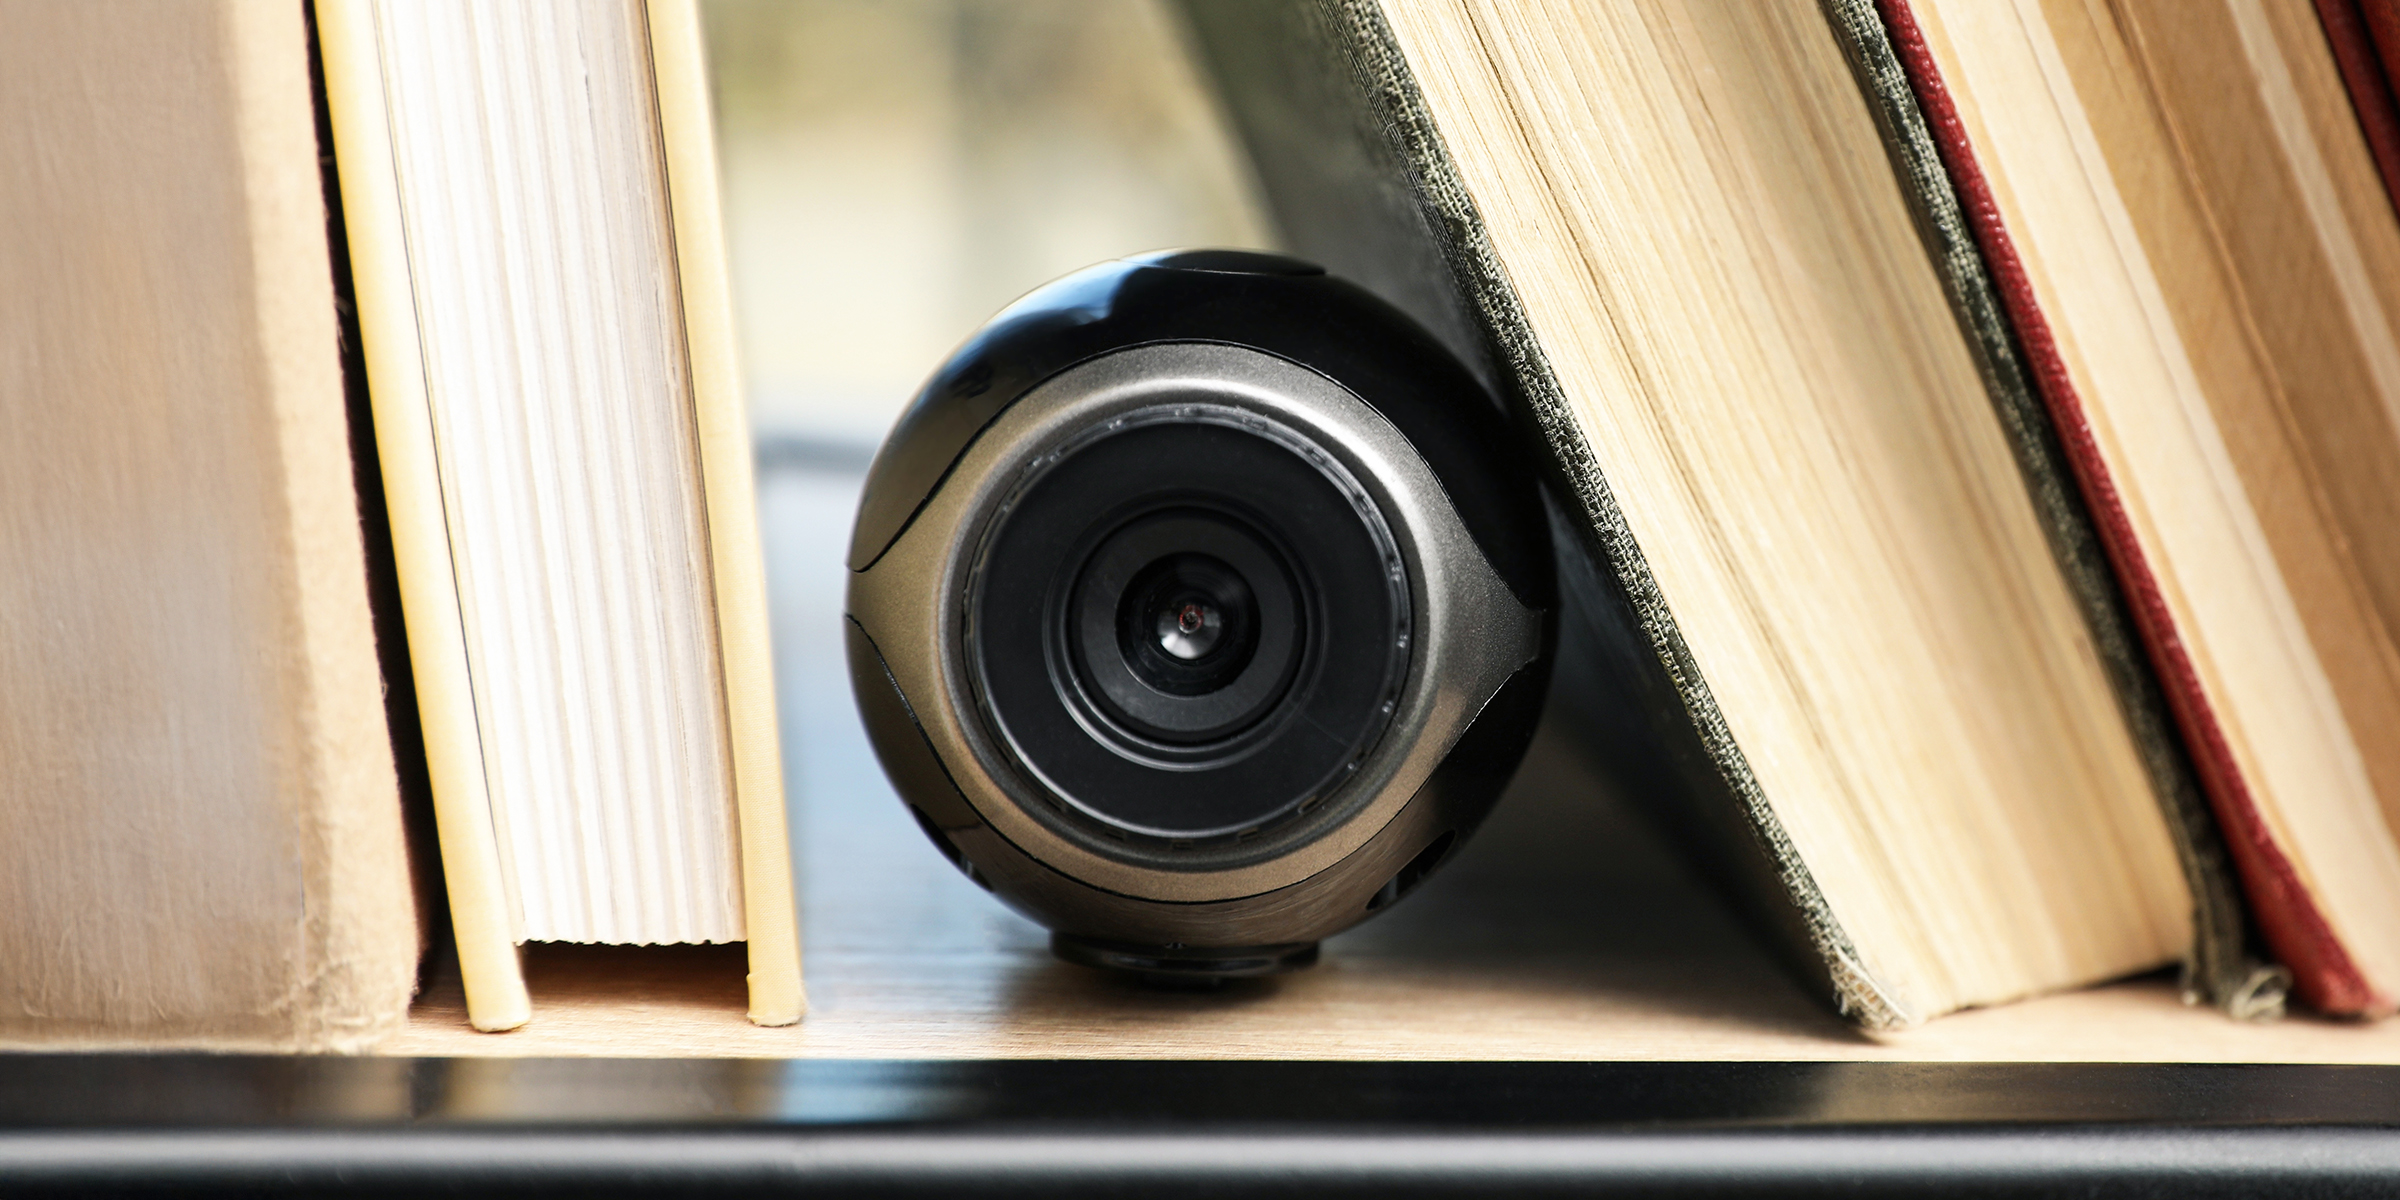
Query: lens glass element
{"type": "Point", "coordinates": [1187, 626]}
{"type": "Point", "coordinates": [1189, 631]}
{"type": "Point", "coordinates": [1183, 627]}
{"type": "Point", "coordinates": [1150, 629]}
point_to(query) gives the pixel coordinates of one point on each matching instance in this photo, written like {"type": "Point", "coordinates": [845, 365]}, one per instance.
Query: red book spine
{"type": "Point", "coordinates": [2294, 927]}
{"type": "Point", "coordinates": [2365, 35]}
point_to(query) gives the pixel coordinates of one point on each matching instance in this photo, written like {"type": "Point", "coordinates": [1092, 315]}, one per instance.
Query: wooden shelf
{"type": "Point", "coordinates": [1563, 931]}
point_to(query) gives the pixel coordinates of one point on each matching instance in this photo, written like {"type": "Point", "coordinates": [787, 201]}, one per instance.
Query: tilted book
{"type": "Point", "coordinates": [2202, 262]}
{"type": "Point", "coordinates": [1843, 616]}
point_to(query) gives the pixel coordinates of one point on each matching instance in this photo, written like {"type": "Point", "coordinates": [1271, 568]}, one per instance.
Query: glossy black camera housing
{"type": "Point", "coordinates": [1201, 606]}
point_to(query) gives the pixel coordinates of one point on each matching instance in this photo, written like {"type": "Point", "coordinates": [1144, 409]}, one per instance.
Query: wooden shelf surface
{"type": "Point", "coordinates": [1563, 930]}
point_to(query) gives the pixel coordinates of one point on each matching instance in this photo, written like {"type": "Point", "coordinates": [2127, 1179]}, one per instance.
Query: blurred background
{"type": "Point", "coordinates": [895, 172]}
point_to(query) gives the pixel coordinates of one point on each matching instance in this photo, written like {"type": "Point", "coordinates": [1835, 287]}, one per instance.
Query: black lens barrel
{"type": "Point", "coordinates": [1149, 571]}
{"type": "Point", "coordinates": [1246, 524]}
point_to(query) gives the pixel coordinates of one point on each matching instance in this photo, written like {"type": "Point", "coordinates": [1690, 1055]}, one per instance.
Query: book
{"type": "Point", "coordinates": [529, 192]}
{"type": "Point", "coordinates": [1845, 620]}
{"type": "Point", "coordinates": [201, 828]}
{"type": "Point", "coordinates": [372, 478]}
{"type": "Point", "coordinates": [2205, 264]}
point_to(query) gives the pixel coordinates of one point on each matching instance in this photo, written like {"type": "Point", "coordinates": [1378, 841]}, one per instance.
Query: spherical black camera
{"type": "Point", "coordinates": [1200, 608]}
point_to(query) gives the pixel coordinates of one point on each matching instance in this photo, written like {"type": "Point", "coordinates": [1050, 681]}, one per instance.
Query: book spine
{"type": "Point", "coordinates": [2294, 929]}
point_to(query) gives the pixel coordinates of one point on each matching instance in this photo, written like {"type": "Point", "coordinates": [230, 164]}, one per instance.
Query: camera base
{"type": "Point", "coordinates": [1184, 966]}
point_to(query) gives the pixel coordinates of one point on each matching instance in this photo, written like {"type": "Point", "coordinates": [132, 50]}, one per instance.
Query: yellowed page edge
{"type": "Point", "coordinates": [495, 983]}
{"type": "Point", "coordinates": [770, 914]}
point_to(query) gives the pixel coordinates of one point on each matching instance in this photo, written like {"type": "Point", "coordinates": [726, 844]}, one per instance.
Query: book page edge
{"type": "Point", "coordinates": [488, 963]}
{"type": "Point", "coordinates": [687, 135]}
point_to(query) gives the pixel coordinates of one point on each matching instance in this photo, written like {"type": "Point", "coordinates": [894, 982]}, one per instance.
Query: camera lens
{"type": "Point", "coordinates": [1188, 628]}
{"type": "Point", "coordinates": [1149, 626]}
{"type": "Point", "coordinates": [1186, 625]}
{"type": "Point", "coordinates": [1184, 628]}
